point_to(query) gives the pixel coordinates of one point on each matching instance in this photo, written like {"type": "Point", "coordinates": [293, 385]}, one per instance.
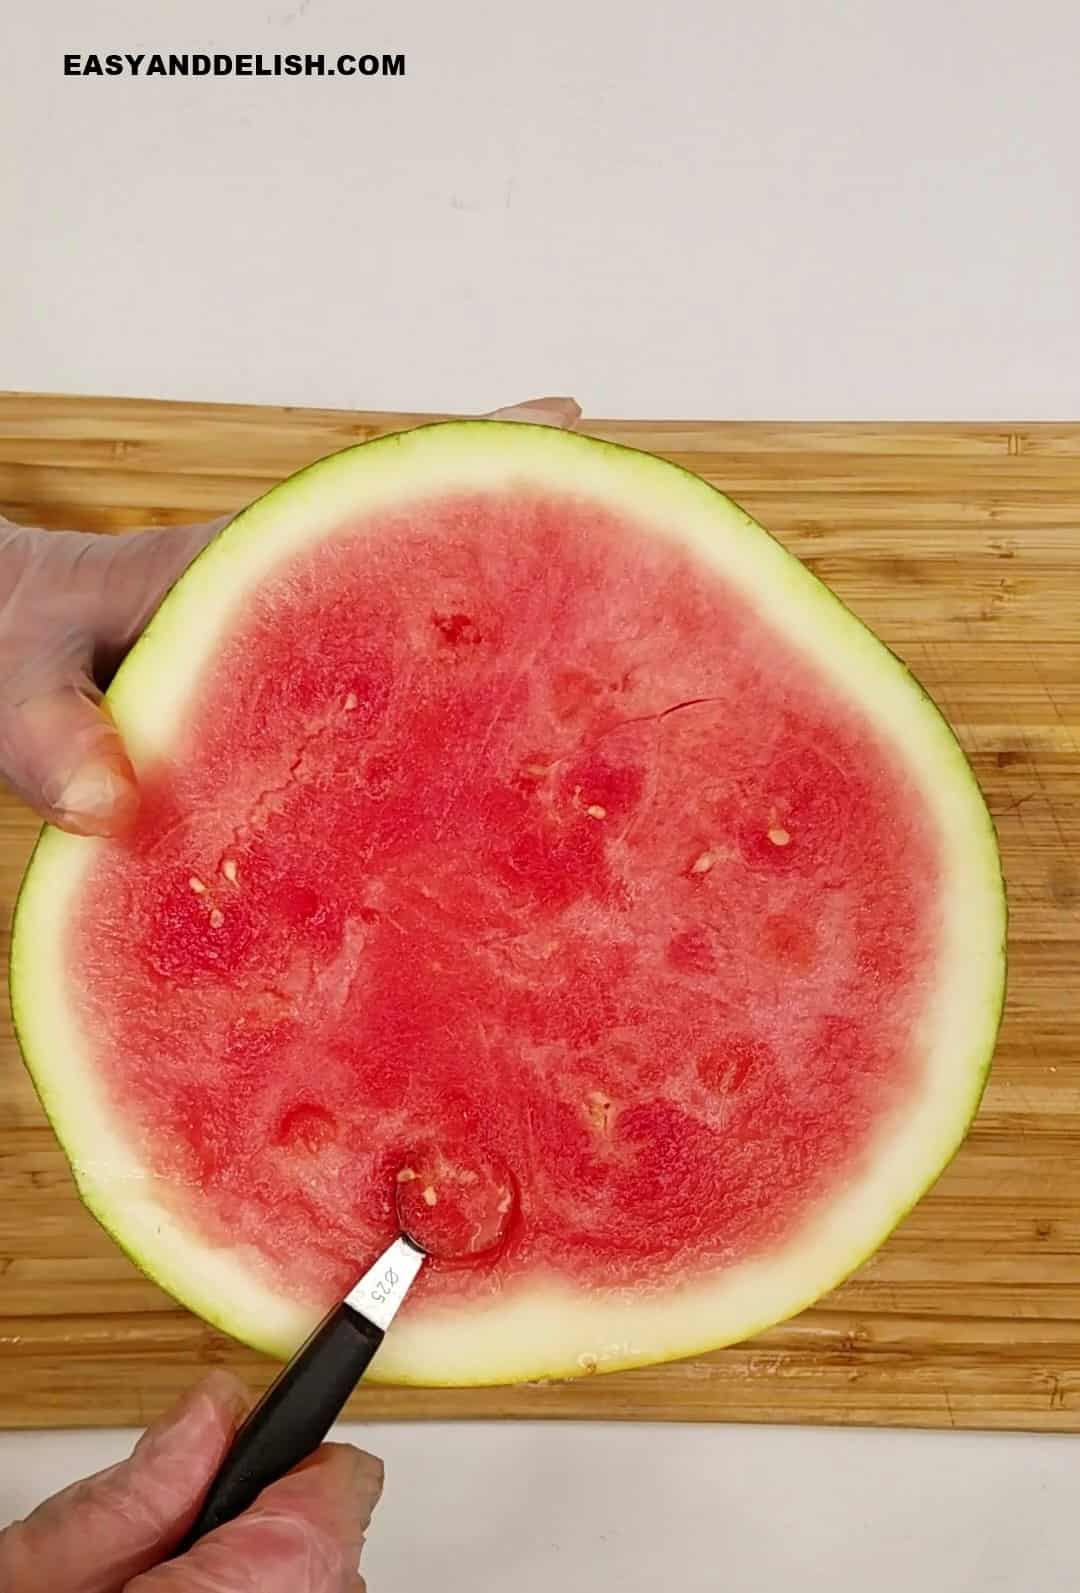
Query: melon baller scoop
{"type": "Point", "coordinates": [297, 1411]}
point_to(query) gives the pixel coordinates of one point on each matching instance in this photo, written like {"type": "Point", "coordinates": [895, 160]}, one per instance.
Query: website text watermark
{"type": "Point", "coordinates": [220, 65]}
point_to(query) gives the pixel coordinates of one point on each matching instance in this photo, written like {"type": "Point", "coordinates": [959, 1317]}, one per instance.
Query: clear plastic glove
{"type": "Point", "coordinates": [112, 1533]}
{"type": "Point", "coordinates": [71, 604]}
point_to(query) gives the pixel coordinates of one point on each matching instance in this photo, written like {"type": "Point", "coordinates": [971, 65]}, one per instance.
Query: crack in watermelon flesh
{"type": "Point", "coordinates": [502, 830]}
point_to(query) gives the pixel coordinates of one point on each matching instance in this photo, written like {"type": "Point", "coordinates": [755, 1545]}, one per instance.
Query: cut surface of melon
{"type": "Point", "coordinates": [521, 825]}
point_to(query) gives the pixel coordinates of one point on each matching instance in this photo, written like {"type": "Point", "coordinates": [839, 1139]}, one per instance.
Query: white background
{"type": "Point", "coordinates": [715, 207]}
{"type": "Point", "coordinates": [756, 208]}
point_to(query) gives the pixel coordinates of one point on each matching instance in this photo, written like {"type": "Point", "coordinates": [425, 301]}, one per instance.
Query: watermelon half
{"type": "Point", "coordinates": [524, 825]}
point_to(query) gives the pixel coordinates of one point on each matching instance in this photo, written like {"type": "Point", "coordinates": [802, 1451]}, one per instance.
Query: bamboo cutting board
{"type": "Point", "coordinates": [960, 546]}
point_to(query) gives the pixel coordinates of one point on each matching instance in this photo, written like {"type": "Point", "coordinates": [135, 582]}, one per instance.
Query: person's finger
{"type": "Point", "coordinates": [136, 573]}
{"type": "Point", "coordinates": [95, 1536]}
{"type": "Point", "coordinates": [71, 604]}
{"type": "Point", "coordinates": [61, 752]}
{"type": "Point", "coordinates": [560, 412]}
{"type": "Point", "coordinates": [303, 1534]}
{"type": "Point", "coordinates": [106, 587]}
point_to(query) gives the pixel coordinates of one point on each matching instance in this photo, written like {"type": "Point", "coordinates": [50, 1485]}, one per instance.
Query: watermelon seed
{"type": "Point", "coordinates": [350, 702]}
{"type": "Point", "coordinates": [600, 1111]}
{"type": "Point", "coordinates": [406, 1175]}
{"type": "Point", "coordinates": [703, 864]}
{"type": "Point", "coordinates": [228, 868]}
{"type": "Point", "coordinates": [596, 811]}
{"type": "Point", "coordinates": [430, 1197]}
{"type": "Point", "coordinates": [217, 918]}
{"type": "Point", "coordinates": [779, 837]}
{"type": "Point", "coordinates": [197, 885]}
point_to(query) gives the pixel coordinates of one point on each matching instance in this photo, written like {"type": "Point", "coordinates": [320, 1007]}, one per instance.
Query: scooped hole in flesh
{"type": "Point", "coordinates": [456, 1205]}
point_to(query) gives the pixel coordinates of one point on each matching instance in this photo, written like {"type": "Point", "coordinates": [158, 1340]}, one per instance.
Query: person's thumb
{"type": "Point", "coordinates": [95, 1536]}
{"type": "Point", "coordinates": [63, 755]}
{"type": "Point", "coordinates": [71, 605]}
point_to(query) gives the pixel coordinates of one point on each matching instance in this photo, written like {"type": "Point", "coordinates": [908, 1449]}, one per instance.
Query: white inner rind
{"type": "Point", "coordinates": [543, 1328]}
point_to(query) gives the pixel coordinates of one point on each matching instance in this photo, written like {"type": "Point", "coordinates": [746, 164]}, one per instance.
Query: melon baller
{"type": "Point", "coordinates": [297, 1411]}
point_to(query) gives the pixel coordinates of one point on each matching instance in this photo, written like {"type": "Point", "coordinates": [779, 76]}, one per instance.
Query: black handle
{"type": "Point", "coordinates": [292, 1418]}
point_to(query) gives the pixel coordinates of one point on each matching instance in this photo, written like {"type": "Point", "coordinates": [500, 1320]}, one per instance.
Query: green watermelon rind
{"type": "Point", "coordinates": [518, 1342]}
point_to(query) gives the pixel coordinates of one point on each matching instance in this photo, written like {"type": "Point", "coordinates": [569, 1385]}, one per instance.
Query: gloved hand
{"type": "Point", "coordinates": [71, 605]}
{"type": "Point", "coordinates": [110, 1533]}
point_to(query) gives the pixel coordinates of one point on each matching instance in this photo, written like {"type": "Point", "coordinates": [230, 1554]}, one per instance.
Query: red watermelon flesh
{"type": "Point", "coordinates": [502, 827]}
{"type": "Point", "coordinates": [510, 860]}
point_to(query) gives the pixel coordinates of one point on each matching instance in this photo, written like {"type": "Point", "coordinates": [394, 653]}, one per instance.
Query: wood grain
{"type": "Point", "coordinates": [960, 545]}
